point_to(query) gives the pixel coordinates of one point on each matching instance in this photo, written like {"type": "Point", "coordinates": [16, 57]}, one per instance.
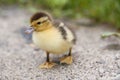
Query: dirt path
{"type": "Point", "coordinates": [94, 58]}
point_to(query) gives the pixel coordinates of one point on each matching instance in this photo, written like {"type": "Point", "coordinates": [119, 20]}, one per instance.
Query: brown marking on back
{"type": "Point", "coordinates": [63, 32]}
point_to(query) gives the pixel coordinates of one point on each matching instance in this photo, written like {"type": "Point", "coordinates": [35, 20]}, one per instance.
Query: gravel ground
{"type": "Point", "coordinates": [94, 58]}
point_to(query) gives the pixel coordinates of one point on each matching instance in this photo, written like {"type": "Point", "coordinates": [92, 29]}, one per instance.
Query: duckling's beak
{"type": "Point", "coordinates": [29, 30]}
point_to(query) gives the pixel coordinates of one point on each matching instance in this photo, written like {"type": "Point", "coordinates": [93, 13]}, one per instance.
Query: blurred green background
{"type": "Point", "coordinates": [100, 10]}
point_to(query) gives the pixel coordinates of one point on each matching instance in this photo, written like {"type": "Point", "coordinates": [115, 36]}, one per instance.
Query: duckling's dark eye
{"type": "Point", "coordinates": [38, 22]}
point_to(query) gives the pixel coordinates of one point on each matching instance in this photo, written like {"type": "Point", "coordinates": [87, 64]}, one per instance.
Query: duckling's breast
{"type": "Point", "coordinates": [51, 40]}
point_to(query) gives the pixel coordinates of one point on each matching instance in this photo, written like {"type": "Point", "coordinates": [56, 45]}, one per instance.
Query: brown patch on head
{"type": "Point", "coordinates": [40, 15]}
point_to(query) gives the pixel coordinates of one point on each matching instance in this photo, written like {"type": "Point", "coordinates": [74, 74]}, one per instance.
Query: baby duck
{"type": "Point", "coordinates": [52, 37]}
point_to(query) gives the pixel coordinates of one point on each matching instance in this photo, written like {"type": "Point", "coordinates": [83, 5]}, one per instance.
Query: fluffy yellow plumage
{"type": "Point", "coordinates": [51, 37]}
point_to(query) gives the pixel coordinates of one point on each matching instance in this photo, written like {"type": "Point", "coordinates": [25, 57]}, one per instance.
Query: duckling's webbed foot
{"type": "Point", "coordinates": [68, 59]}
{"type": "Point", "coordinates": [47, 64]}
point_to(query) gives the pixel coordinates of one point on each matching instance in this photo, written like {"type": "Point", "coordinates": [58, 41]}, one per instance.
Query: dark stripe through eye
{"type": "Point", "coordinates": [38, 22]}
{"type": "Point", "coordinates": [41, 22]}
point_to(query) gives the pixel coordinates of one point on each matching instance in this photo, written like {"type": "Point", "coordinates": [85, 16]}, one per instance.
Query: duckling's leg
{"type": "Point", "coordinates": [47, 64]}
{"type": "Point", "coordinates": [68, 59]}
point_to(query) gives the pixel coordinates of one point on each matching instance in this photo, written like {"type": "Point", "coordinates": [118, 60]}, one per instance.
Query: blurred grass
{"type": "Point", "coordinates": [100, 10]}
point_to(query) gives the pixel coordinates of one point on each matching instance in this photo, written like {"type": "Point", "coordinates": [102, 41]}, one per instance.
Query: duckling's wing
{"type": "Point", "coordinates": [66, 32]}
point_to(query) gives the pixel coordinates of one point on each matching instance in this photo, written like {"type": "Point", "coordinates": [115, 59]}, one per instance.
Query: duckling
{"type": "Point", "coordinates": [52, 37]}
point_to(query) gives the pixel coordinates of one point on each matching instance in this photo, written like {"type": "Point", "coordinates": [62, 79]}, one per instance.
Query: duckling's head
{"type": "Point", "coordinates": [40, 21]}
